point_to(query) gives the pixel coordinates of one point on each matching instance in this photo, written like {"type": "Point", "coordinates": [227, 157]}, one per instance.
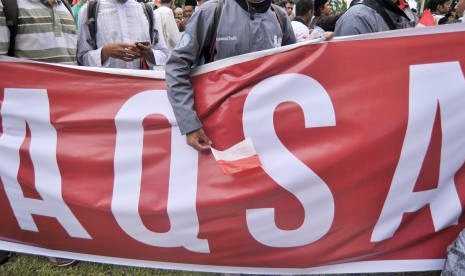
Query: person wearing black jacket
{"type": "Point", "coordinates": [323, 17]}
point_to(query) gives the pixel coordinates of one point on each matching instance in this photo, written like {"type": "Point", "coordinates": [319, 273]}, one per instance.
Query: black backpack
{"type": "Point", "coordinates": [10, 8]}
{"type": "Point", "coordinates": [379, 8]}
{"type": "Point", "coordinates": [92, 8]}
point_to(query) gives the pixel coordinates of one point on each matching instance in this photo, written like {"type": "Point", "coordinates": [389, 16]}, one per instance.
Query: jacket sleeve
{"type": "Point", "coordinates": [179, 66]}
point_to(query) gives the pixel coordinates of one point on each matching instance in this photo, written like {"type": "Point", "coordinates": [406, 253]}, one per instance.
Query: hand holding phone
{"type": "Point", "coordinates": [145, 43]}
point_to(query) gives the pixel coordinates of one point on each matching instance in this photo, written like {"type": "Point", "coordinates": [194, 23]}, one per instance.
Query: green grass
{"type": "Point", "coordinates": [23, 264]}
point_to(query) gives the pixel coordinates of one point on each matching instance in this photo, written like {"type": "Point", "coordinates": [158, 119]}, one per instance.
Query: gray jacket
{"type": "Point", "coordinates": [361, 19]}
{"type": "Point", "coordinates": [237, 34]}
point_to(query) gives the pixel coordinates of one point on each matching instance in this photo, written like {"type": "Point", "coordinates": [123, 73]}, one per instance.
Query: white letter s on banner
{"type": "Point", "coordinates": [312, 192]}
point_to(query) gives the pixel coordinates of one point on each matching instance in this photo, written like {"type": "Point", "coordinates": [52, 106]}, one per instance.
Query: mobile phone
{"type": "Point", "coordinates": [145, 43]}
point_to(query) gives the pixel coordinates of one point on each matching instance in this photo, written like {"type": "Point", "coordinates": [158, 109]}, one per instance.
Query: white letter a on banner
{"type": "Point", "coordinates": [32, 106]}
{"type": "Point", "coordinates": [431, 85]}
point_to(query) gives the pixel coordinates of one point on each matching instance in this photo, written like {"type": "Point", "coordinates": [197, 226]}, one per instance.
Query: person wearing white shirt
{"type": "Point", "coordinates": [439, 8]}
{"type": "Point", "coordinates": [122, 37]}
{"type": "Point", "coordinates": [168, 27]}
{"type": "Point", "coordinates": [304, 14]}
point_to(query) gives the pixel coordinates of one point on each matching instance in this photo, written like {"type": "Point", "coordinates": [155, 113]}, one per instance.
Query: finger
{"type": "Point", "coordinates": [203, 146]}
{"type": "Point", "coordinates": [203, 139]}
{"type": "Point", "coordinates": [196, 145]}
{"type": "Point", "coordinates": [198, 140]}
{"type": "Point", "coordinates": [132, 52]}
{"type": "Point", "coordinates": [199, 146]}
{"type": "Point", "coordinates": [128, 58]}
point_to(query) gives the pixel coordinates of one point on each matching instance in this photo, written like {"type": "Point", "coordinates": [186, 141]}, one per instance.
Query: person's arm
{"type": "Point", "coordinates": [178, 69]}
{"type": "Point", "coordinates": [86, 54]}
{"type": "Point", "coordinates": [460, 7]}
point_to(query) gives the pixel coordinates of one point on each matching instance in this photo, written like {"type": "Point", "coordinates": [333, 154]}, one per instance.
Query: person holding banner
{"type": "Point", "coordinates": [304, 14]}
{"type": "Point", "coordinates": [218, 30]}
{"type": "Point", "coordinates": [122, 37]}
{"type": "Point", "coordinates": [46, 31]}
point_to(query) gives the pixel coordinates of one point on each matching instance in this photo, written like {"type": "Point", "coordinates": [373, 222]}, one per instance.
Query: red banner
{"type": "Point", "coordinates": [361, 143]}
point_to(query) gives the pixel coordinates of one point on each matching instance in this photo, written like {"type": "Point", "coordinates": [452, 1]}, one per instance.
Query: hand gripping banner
{"type": "Point", "coordinates": [361, 143]}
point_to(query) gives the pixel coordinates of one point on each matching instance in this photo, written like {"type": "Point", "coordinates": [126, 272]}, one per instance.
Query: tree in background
{"type": "Point", "coordinates": [338, 6]}
{"type": "Point", "coordinates": [179, 3]}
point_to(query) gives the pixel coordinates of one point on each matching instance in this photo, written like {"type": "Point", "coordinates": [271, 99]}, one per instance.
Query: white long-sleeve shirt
{"type": "Point", "coordinates": [168, 27]}
{"type": "Point", "coordinates": [117, 23]}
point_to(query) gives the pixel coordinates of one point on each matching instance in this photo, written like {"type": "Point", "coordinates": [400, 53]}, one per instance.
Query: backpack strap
{"type": "Point", "coordinates": [68, 6]}
{"type": "Point", "coordinates": [210, 55]}
{"type": "Point", "coordinates": [92, 8]}
{"type": "Point", "coordinates": [281, 19]}
{"type": "Point", "coordinates": [10, 8]}
{"type": "Point", "coordinates": [209, 50]}
{"type": "Point", "coordinates": [148, 11]}
{"type": "Point", "coordinates": [379, 9]}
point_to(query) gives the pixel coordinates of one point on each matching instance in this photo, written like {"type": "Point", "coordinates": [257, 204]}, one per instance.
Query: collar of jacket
{"type": "Point", "coordinates": [256, 7]}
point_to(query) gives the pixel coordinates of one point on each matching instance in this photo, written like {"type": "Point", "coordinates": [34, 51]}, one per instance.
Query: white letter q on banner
{"type": "Point", "coordinates": [128, 173]}
{"type": "Point", "coordinates": [312, 192]}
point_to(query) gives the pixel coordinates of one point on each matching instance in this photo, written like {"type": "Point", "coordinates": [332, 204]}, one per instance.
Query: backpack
{"type": "Point", "coordinates": [379, 9]}
{"type": "Point", "coordinates": [92, 8]}
{"type": "Point", "coordinates": [10, 8]}
{"type": "Point", "coordinates": [209, 51]}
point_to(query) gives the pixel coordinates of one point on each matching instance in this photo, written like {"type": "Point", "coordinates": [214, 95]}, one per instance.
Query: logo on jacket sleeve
{"type": "Point", "coordinates": [185, 40]}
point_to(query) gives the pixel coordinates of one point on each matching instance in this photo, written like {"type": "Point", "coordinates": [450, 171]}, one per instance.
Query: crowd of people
{"type": "Point", "coordinates": [134, 34]}
{"type": "Point", "coordinates": [142, 38]}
